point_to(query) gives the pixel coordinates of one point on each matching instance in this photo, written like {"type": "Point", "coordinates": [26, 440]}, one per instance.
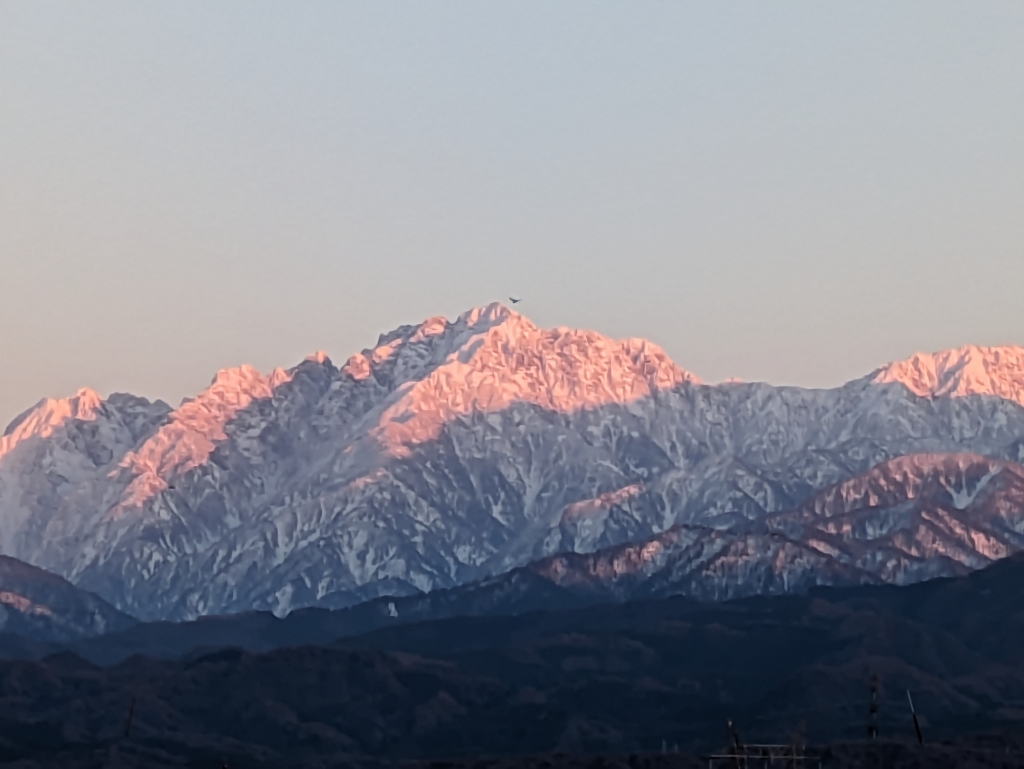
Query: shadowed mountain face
{"type": "Point", "coordinates": [609, 678]}
{"type": "Point", "coordinates": [456, 451]}
{"type": "Point", "coordinates": [905, 520]}
{"type": "Point", "coordinates": [909, 505]}
{"type": "Point", "coordinates": [35, 604]}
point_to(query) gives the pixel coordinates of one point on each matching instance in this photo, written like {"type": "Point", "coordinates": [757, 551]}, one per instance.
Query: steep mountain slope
{"type": "Point", "coordinates": [448, 453]}
{"type": "Point", "coordinates": [908, 519]}
{"type": "Point", "coordinates": [917, 516]}
{"type": "Point", "coordinates": [60, 448]}
{"type": "Point", "coordinates": [42, 606]}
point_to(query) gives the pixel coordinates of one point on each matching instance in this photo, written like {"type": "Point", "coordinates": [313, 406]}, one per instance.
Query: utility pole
{"type": "Point", "coordinates": [873, 709]}
{"type": "Point", "coordinates": [128, 723]}
{"type": "Point", "coordinates": [737, 746]}
{"type": "Point", "coordinates": [917, 726]}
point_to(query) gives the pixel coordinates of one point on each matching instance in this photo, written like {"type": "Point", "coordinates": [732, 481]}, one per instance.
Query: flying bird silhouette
{"type": "Point", "coordinates": [514, 300]}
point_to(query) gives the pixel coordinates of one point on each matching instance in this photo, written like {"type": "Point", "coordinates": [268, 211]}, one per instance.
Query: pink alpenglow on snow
{"type": "Point", "coordinates": [491, 358]}
{"type": "Point", "coordinates": [41, 420]}
{"type": "Point", "coordinates": [970, 370]}
{"type": "Point", "coordinates": [23, 604]}
{"type": "Point", "coordinates": [188, 437]}
{"type": "Point", "coordinates": [454, 450]}
{"type": "Point", "coordinates": [588, 507]}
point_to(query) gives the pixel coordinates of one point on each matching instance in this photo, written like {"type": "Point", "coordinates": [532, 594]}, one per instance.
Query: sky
{"type": "Point", "coordinates": [789, 192]}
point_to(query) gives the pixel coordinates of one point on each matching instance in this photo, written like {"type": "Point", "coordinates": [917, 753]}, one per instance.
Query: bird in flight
{"type": "Point", "coordinates": [514, 300]}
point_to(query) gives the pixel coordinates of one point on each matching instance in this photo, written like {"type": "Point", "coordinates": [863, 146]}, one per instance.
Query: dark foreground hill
{"type": "Point", "coordinates": [862, 755]}
{"type": "Point", "coordinates": [981, 609]}
{"type": "Point", "coordinates": [36, 605]}
{"type": "Point", "coordinates": [606, 680]}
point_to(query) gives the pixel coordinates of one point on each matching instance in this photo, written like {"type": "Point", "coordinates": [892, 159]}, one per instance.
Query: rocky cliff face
{"type": "Point", "coordinates": [56, 457]}
{"type": "Point", "coordinates": [452, 451]}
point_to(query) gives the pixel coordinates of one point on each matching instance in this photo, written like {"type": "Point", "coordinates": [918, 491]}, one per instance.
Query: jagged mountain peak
{"type": "Point", "coordinates": [475, 320]}
{"type": "Point", "coordinates": [969, 370]}
{"type": "Point", "coordinates": [455, 449]}
{"type": "Point", "coordinates": [495, 335]}
{"type": "Point", "coordinates": [239, 379]}
{"type": "Point", "coordinates": [408, 351]}
{"type": "Point", "coordinates": [491, 314]}
{"type": "Point", "coordinates": [491, 358]}
{"type": "Point", "coordinates": [486, 359]}
{"type": "Point", "coordinates": [61, 445]}
{"type": "Point", "coordinates": [41, 419]}
{"type": "Point", "coordinates": [318, 357]}
{"type": "Point", "coordinates": [188, 436]}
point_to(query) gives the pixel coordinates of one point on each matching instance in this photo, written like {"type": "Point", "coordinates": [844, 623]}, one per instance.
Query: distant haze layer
{"type": "Point", "coordinates": [794, 193]}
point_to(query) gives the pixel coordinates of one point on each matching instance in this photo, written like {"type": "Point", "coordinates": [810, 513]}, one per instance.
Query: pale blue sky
{"type": "Point", "coordinates": [793, 192]}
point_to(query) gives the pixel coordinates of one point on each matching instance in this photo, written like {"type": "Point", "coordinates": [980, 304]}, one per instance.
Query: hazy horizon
{"type": "Point", "coordinates": [795, 194]}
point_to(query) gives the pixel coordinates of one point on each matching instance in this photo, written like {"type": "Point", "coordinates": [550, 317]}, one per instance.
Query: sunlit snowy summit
{"type": "Point", "coordinates": [455, 450]}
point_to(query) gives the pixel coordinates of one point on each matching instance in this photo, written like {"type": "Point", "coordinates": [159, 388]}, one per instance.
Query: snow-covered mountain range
{"type": "Point", "coordinates": [905, 520]}
{"type": "Point", "coordinates": [459, 450]}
